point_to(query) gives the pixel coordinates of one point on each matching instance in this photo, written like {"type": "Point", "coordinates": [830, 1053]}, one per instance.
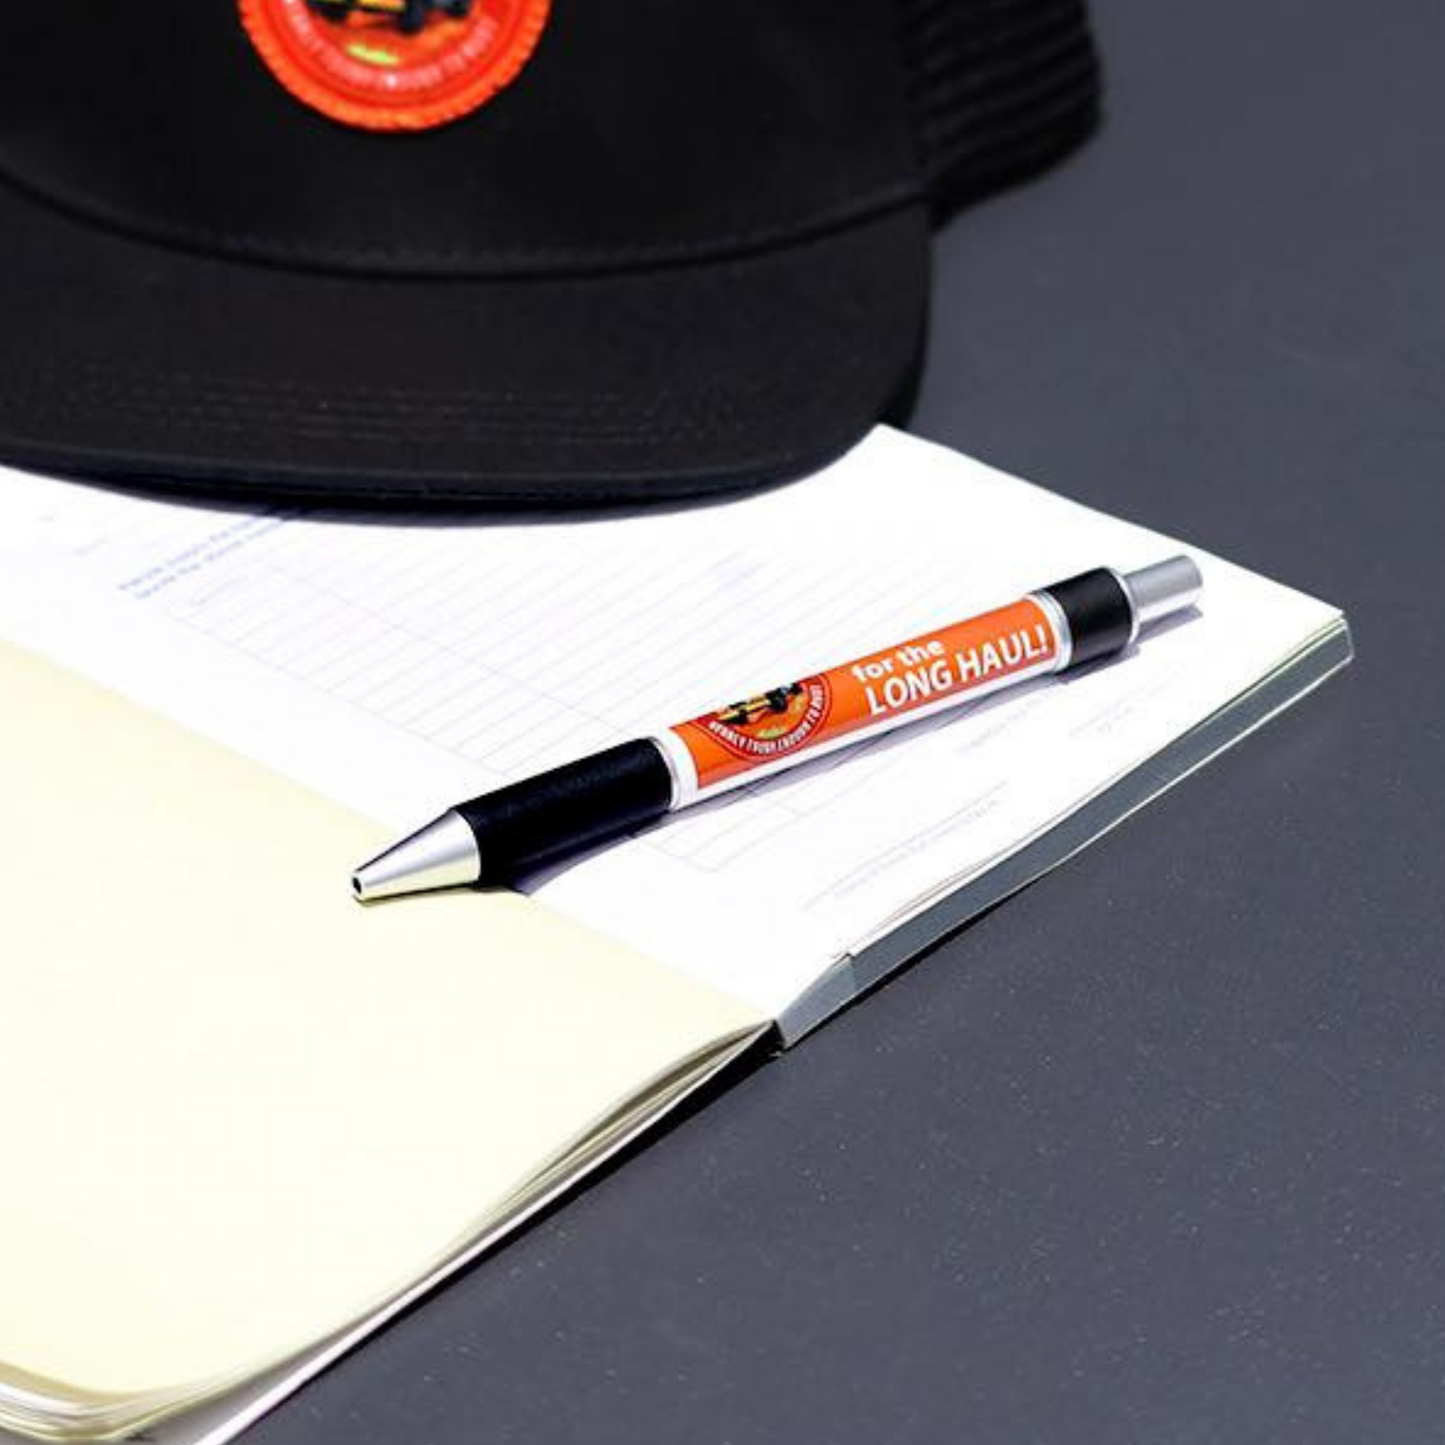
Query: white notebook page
{"type": "Point", "coordinates": [402, 662]}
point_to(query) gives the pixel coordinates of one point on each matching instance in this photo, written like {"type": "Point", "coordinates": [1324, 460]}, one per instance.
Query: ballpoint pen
{"type": "Point", "coordinates": [503, 835]}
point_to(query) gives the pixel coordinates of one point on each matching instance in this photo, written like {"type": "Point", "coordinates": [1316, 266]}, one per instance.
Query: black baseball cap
{"type": "Point", "coordinates": [492, 250]}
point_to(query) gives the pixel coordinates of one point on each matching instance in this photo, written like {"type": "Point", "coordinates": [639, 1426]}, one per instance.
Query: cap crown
{"type": "Point", "coordinates": [641, 132]}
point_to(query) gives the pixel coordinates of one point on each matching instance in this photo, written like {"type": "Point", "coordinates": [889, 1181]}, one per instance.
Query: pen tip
{"type": "Point", "coordinates": [442, 855]}
{"type": "Point", "coordinates": [366, 885]}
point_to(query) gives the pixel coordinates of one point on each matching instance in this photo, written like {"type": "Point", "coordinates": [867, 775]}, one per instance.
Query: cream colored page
{"type": "Point", "coordinates": [237, 1109]}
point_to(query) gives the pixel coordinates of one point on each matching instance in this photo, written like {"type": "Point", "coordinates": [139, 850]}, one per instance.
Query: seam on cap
{"type": "Point", "coordinates": [362, 414]}
{"type": "Point", "coordinates": [627, 483]}
{"type": "Point", "coordinates": [524, 489]}
{"type": "Point", "coordinates": [553, 262]}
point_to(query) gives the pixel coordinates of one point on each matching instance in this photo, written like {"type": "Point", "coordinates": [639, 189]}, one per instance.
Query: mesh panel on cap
{"type": "Point", "coordinates": [998, 88]}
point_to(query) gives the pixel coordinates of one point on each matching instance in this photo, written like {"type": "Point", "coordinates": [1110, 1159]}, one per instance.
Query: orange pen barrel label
{"type": "Point", "coordinates": [924, 674]}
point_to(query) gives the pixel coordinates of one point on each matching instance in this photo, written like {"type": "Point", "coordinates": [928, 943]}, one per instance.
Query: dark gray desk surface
{"type": "Point", "coordinates": [1156, 1151]}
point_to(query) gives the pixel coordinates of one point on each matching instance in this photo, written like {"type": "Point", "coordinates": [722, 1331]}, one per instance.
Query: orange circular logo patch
{"type": "Point", "coordinates": [394, 64]}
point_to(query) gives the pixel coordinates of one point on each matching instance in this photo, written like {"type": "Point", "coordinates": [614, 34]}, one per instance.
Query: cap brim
{"type": "Point", "coordinates": [128, 360]}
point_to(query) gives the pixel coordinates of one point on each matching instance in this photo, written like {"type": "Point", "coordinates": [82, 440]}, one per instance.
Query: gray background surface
{"type": "Point", "coordinates": [1156, 1151]}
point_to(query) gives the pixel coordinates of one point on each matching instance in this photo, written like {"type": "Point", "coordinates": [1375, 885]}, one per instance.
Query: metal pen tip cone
{"type": "Point", "coordinates": [441, 855]}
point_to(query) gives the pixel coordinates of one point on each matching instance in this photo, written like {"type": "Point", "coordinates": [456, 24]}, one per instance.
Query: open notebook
{"type": "Point", "coordinates": [255, 1119]}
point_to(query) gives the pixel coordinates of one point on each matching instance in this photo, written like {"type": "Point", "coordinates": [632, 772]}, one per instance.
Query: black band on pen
{"type": "Point", "coordinates": [528, 824]}
{"type": "Point", "coordinates": [1099, 613]}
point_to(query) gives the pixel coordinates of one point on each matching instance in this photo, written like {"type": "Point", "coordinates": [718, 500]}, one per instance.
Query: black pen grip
{"type": "Point", "coordinates": [1099, 613]}
{"type": "Point", "coordinates": [528, 824]}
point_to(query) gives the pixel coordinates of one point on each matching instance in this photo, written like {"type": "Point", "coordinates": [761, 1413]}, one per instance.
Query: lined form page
{"type": "Point", "coordinates": [401, 662]}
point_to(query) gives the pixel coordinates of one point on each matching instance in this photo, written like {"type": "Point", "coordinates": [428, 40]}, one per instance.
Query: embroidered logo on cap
{"type": "Point", "coordinates": [394, 64]}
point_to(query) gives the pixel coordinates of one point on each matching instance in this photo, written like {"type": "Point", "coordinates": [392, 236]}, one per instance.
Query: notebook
{"type": "Point", "coordinates": [257, 1119]}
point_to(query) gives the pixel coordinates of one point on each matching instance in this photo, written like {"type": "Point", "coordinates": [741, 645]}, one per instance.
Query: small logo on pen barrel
{"type": "Point", "coordinates": [772, 723]}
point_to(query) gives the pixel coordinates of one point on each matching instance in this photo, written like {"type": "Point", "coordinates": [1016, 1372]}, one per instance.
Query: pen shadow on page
{"type": "Point", "coordinates": [994, 707]}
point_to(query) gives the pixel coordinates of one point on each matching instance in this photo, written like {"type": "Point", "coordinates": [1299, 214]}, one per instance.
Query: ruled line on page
{"type": "Point", "coordinates": [450, 633]}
